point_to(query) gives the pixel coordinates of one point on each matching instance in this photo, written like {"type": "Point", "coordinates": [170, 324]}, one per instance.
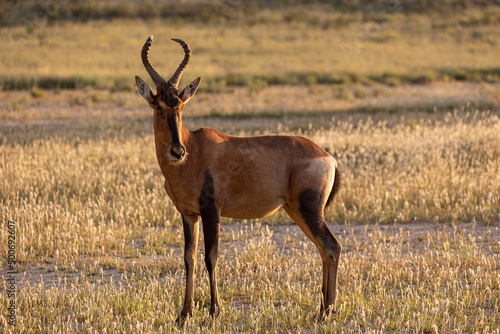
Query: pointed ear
{"type": "Point", "coordinates": [189, 91]}
{"type": "Point", "coordinates": [145, 91]}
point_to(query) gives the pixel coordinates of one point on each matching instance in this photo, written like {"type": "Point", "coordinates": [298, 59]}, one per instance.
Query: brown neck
{"type": "Point", "coordinates": [189, 141]}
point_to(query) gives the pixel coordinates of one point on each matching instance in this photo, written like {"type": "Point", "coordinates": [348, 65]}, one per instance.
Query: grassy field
{"type": "Point", "coordinates": [390, 49]}
{"type": "Point", "coordinates": [408, 103]}
{"type": "Point", "coordinates": [96, 230]}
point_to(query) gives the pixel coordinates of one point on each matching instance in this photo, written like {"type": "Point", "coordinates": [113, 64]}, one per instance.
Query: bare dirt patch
{"type": "Point", "coordinates": [20, 108]}
{"type": "Point", "coordinates": [417, 236]}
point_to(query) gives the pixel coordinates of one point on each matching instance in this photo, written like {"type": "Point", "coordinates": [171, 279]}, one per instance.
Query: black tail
{"type": "Point", "coordinates": [335, 187]}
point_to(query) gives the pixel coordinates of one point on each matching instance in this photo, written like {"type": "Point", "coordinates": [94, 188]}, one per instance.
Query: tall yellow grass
{"type": "Point", "coordinates": [82, 190]}
{"type": "Point", "coordinates": [90, 207]}
{"type": "Point", "coordinates": [390, 279]}
{"type": "Point", "coordinates": [447, 171]}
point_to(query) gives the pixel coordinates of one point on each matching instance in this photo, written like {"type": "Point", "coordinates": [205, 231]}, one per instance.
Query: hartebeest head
{"type": "Point", "coordinates": [167, 103]}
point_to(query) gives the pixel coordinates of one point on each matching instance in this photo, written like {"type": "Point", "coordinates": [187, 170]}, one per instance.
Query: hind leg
{"type": "Point", "coordinates": [307, 212]}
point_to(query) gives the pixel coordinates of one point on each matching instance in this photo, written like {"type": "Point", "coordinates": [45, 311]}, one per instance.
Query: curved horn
{"type": "Point", "coordinates": [174, 80]}
{"type": "Point", "coordinates": [157, 79]}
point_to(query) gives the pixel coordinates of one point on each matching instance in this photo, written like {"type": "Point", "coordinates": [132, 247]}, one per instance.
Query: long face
{"type": "Point", "coordinates": [168, 126]}
{"type": "Point", "coordinates": [167, 104]}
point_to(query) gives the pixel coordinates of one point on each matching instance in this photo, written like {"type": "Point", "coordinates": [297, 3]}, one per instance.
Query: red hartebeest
{"type": "Point", "coordinates": [210, 174]}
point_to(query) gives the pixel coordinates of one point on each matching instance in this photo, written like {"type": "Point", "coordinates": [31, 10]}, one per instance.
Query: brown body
{"type": "Point", "coordinates": [209, 174]}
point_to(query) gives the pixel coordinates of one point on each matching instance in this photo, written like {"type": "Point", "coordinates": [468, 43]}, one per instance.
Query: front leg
{"type": "Point", "coordinates": [211, 226]}
{"type": "Point", "coordinates": [190, 225]}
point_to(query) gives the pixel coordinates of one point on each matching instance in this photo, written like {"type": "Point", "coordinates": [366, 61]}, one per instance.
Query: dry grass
{"type": "Point", "coordinates": [395, 278]}
{"type": "Point", "coordinates": [274, 102]}
{"type": "Point", "coordinates": [427, 167]}
{"type": "Point", "coordinates": [99, 245]}
{"type": "Point", "coordinates": [447, 171]}
{"type": "Point", "coordinates": [95, 223]}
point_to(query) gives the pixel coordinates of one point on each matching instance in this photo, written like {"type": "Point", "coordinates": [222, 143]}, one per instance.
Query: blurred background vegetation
{"type": "Point", "coordinates": [13, 12]}
{"type": "Point", "coordinates": [72, 44]}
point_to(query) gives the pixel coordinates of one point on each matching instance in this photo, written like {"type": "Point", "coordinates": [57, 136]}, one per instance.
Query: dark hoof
{"type": "Point", "coordinates": [215, 312]}
{"type": "Point", "coordinates": [181, 319]}
{"type": "Point", "coordinates": [326, 315]}
{"type": "Point", "coordinates": [208, 322]}
{"type": "Point", "coordinates": [212, 316]}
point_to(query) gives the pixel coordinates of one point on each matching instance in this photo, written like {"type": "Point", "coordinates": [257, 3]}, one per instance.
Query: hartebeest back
{"type": "Point", "coordinates": [210, 174]}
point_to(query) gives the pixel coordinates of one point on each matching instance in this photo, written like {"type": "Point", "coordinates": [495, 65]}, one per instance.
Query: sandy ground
{"type": "Point", "coordinates": [417, 235]}
{"type": "Point", "coordinates": [20, 108]}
